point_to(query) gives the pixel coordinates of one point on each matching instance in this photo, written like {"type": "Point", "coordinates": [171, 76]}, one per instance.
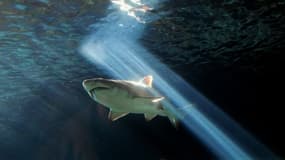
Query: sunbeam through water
{"type": "Point", "coordinates": [114, 47]}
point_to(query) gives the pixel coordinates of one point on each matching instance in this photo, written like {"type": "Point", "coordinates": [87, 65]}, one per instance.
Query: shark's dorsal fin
{"type": "Point", "coordinates": [116, 115]}
{"type": "Point", "coordinates": [147, 80]}
{"type": "Point", "coordinates": [149, 116]}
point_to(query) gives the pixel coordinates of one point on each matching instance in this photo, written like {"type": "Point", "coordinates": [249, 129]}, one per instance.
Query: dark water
{"type": "Point", "coordinates": [45, 113]}
{"type": "Point", "coordinates": [232, 52]}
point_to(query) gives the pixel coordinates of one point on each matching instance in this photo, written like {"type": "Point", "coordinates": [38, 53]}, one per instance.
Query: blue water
{"type": "Point", "coordinates": [44, 111]}
{"type": "Point", "coordinates": [116, 49]}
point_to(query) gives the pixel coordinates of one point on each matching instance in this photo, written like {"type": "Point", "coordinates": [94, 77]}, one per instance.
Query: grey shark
{"type": "Point", "coordinates": [123, 97]}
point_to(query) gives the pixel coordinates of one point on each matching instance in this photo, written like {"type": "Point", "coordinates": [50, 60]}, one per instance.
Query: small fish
{"type": "Point", "coordinates": [123, 97]}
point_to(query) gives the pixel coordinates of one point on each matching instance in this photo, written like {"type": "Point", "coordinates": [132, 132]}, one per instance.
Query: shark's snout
{"type": "Point", "coordinates": [96, 83]}
{"type": "Point", "coordinates": [93, 85]}
{"type": "Point", "coordinates": [88, 84]}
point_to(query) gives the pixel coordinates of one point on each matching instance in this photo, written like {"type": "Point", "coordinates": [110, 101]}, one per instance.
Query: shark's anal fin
{"type": "Point", "coordinates": [149, 116]}
{"type": "Point", "coordinates": [174, 121]}
{"type": "Point", "coordinates": [116, 115]}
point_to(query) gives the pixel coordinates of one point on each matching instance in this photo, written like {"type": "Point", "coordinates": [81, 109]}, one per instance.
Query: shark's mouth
{"type": "Point", "coordinates": [93, 90]}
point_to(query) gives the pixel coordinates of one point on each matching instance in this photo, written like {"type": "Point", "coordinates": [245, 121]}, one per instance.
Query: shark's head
{"type": "Point", "coordinates": [97, 84]}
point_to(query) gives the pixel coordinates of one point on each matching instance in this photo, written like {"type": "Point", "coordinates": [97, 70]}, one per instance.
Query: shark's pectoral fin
{"type": "Point", "coordinates": [116, 115]}
{"type": "Point", "coordinates": [157, 99]}
{"type": "Point", "coordinates": [149, 116]}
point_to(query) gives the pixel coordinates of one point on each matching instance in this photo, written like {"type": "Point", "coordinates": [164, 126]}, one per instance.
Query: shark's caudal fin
{"type": "Point", "coordinates": [147, 80]}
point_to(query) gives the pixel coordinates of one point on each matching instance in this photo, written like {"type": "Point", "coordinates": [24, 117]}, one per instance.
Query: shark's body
{"type": "Point", "coordinates": [123, 97]}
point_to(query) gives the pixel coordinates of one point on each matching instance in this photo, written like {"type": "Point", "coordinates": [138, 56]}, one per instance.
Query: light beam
{"type": "Point", "coordinates": [114, 47]}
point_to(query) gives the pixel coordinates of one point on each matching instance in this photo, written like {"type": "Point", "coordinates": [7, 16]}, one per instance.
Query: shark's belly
{"type": "Point", "coordinates": [115, 99]}
{"type": "Point", "coordinates": [122, 101]}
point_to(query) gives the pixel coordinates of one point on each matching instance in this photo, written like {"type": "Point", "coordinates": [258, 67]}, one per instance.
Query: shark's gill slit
{"type": "Point", "coordinates": [116, 50]}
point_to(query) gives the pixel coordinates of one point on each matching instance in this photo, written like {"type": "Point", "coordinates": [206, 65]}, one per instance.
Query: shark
{"type": "Point", "coordinates": [124, 97]}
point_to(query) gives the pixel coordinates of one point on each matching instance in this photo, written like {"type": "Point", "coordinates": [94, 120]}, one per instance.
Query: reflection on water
{"type": "Point", "coordinates": [133, 8]}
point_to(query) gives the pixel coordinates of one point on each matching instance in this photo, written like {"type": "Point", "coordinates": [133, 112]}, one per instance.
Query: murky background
{"type": "Point", "coordinates": [231, 51]}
